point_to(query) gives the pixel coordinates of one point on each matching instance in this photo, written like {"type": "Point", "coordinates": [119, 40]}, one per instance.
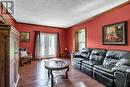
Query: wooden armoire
{"type": "Point", "coordinates": [9, 56]}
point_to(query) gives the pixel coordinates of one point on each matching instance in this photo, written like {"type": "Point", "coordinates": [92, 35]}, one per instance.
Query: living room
{"type": "Point", "coordinates": [64, 28]}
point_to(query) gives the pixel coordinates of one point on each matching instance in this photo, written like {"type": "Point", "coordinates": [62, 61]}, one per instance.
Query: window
{"type": "Point", "coordinates": [48, 45]}
{"type": "Point", "coordinates": [79, 39]}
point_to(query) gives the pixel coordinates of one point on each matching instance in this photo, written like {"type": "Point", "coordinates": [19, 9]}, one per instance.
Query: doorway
{"type": "Point", "coordinates": [48, 45]}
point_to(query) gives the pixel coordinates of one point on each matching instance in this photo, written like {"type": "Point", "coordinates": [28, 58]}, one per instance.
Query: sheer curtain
{"type": "Point", "coordinates": [79, 39]}
{"type": "Point", "coordinates": [46, 45]}
{"type": "Point", "coordinates": [37, 46]}
{"type": "Point", "coordinates": [49, 45]}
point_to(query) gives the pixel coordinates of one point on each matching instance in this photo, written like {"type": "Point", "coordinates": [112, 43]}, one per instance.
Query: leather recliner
{"type": "Point", "coordinates": [122, 73]}
{"type": "Point", "coordinates": [96, 58]}
{"type": "Point", "coordinates": [78, 57]}
{"type": "Point", "coordinates": [104, 73]}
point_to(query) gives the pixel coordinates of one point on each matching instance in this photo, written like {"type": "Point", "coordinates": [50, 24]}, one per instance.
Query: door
{"type": "Point", "coordinates": [48, 45]}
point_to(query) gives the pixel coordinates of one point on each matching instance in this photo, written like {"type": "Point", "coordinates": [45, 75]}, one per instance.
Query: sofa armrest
{"type": "Point", "coordinates": [125, 69]}
{"type": "Point", "coordinates": [122, 76]}
{"type": "Point", "coordinates": [29, 54]}
{"type": "Point", "coordinates": [76, 54]}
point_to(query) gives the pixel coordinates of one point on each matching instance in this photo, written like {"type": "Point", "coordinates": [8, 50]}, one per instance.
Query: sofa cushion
{"type": "Point", "coordinates": [85, 52]}
{"type": "Point", "coordinates": [78, 60]}
{"type": "Point", "coordinates": [85, 55]}
{"type": "Point", "coordinates": [98, 51]}
{"type": "Point", "coordinates": [109, 69]}
{"type": "Point", "coordinates": [117, 54]}
{"type": "Point", "coordinates": [123, 62]}
{"type": "Point", "coordinates": [76, 54]}
{"type": "Point", "coordinates": [122, 68]}
{"type": "Point", "coordinates": [103, 71]}
{"type": "Point", "coordinates": [112, 57]}
{"type": "Point", "coordinates": [97, 58]}
{"type": "Point", "coordinates": [108, 62]}
{"type": "Point", "coordinates": [91, 63]}
{"type": "Point", "coordinates": [98, 55]}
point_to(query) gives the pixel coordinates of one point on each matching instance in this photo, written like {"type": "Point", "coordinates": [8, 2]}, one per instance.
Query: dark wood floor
{"type": "Point", "coordinates": [35, 75]}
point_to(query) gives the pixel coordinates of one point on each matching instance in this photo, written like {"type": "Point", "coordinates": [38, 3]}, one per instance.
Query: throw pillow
{"type": "Point", "coordinates": [23, 53]}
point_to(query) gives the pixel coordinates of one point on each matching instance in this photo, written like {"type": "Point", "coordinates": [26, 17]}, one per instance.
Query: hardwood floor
{"type": "Point", "coordinates": [35, 75]}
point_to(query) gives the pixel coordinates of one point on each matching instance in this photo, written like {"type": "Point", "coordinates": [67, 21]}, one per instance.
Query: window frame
{"type": "Point", "coordinates": [77, 41]}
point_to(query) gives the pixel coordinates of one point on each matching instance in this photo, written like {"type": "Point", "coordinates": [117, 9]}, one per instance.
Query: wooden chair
{"type": "Point", "coordinates": [66, 53]}
{"type": "Point", "coordinates": [24, 57]}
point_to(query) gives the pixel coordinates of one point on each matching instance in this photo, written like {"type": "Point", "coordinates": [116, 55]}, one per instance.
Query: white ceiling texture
{"type": "Point", "coordinates": [60, 13]}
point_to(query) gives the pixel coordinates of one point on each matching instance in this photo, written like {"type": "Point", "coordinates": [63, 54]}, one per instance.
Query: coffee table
{"type": "Point", "coordinates": [55, 65]}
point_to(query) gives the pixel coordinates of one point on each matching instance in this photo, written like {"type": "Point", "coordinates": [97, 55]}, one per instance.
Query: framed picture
{"type": "Point", "coordinates": [115, 34]}
{"type": "Point", "coordinates": [24, 36]}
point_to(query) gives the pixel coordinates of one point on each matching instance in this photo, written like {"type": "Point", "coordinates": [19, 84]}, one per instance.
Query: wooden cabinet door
{"type": "Point", "coordinates": [2, 61]}
{"type": "Point", "coordinates": [12, 62]}
{"type": "Point", "coordinates": [16, 58]}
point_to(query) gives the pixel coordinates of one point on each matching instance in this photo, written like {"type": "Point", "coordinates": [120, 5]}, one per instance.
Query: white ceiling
{"type": "Point", "coordinates": [60, 13]}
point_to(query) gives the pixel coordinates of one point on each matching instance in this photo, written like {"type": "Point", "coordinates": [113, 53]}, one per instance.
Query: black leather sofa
{"type": "Point", "coordinates": [111, 68]}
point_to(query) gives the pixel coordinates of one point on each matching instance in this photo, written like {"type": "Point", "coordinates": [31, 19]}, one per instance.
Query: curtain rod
{"type": "Point", "coordinates": [47, 32]}
{"type": "Point", "coordinates": [34, 31]}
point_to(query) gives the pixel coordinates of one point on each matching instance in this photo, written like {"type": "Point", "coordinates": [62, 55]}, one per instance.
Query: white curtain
{"type": "Point", "coordinates": [79, 39]}
{"type": "Point", "coordinates": [48, 44]}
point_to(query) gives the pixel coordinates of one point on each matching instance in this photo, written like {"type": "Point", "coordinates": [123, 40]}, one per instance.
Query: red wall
{"type": "Point", "coordinates": [94, 29]}
{"type": "Point", "coordinates": [31, 28]}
